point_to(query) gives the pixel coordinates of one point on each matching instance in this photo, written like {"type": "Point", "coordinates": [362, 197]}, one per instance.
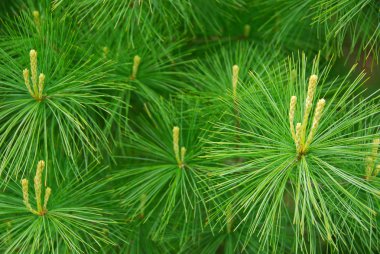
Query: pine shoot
{"type": "Point", "coordinates": [179, 158]}
{"type": "Point", "coordinates": [46, 198]}
{"type": "Point", "coordinates": [298, 138]}
{"type": "Point", "coordinates": [38, 184]}
{"type": "Point", "coordinates": [247, 31]}
{"type": "Point", "coordinates": [371, 169]}
{"type": "Point", "coordinates": [135, 67]}
{"type": "Point", "coordinates": [317, 118]}
{"type": "Point", "coordinates": [308, 104]}
{"type": "Point", "coordinates": [293, 102]}
{"type": "Point", "coordinates": [25, 195]}
{"type": "Point", "coordinates": [235, 78]}
{"type": "Point", "coordinates": [36, 18]}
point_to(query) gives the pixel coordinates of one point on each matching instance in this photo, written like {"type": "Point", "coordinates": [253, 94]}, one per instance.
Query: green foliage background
{"type": "Point", "coordinates": [106, 135]}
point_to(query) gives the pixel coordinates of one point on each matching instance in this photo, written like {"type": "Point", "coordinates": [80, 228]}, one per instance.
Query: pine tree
{"type": "Point", "coordinates": [188, 126]}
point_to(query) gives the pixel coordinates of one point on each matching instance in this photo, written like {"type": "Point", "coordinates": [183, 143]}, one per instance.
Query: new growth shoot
{"type": "Point", "coordinates": [41, 207]}
{"type": "Point", "coordinates": [36, 88]}
{"type": "Point", "coordinates": [106, 50]}
{"type": "Point", "coordinates": [235, 78]}
{"type": "Point", "coordinates": [246, 31]}
{"type": "Point", "coordinates": [229, 219]}
{"type": "Point", "coordinates": [36, 18]}
{"type": "Point", "coordinates": [372, 170]}
{"type": "Point", "coordinates": [293, 102]}
{"type": "Point", "coordinates": [135, 68]}
{"type": "Point", "coordinates": [180, 158]}
{"type": "Point", "coordinates": [143, 200]}
{"type": "Point", "coordinates": [299, 134]}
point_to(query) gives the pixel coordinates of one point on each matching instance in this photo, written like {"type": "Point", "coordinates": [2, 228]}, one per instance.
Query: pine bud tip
{"type": "Point", "coordinates": [176, 144]}
{"type": "Point", "coordinates": [313, 79]}
{"type": "Point", "coordinates": [40, 165]}
{"type": "Point", "coordinates": [137, 60]}
{"type": "Point", "coordinates": [24, 182]}
{"type": "Point", "coordinates": [135, 67]}
{"type": "Point", "coordinates": [175, 130]}
{"type": "Point", "coordinates": [247, 31]}
{"type": "Point", "coordinates": [235, 78]}
{"type": "Point", "coordinates": [33, 53]}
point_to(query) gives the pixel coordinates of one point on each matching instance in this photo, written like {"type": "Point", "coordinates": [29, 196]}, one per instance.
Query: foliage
{"type": "Point", "coordinates": [237, 126]}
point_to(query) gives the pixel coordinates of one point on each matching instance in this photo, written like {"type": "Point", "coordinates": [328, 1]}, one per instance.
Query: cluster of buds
{"type": "Point", "coordinates": [179, 158]}
{"type": "Point", "coordinates": [37, 87]}
{"type": "Point", "coordinates": [41, 207]}
{"type": "Point", "coordinates": [372, 170]}
{"type": "Point", "coordinates": [299, 133]}
{"type": "Point", "coordinates": [135, 67]}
